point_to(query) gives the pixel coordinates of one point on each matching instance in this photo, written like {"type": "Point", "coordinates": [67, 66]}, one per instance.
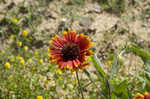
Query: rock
{"type": "Point", "coordinates": [96, 7]}
{"type": "Point", "coordinates": [85, 21]}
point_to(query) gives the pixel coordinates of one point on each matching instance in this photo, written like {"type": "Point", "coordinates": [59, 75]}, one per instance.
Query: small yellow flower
{"type": "Point", "coordinates": [7, 65]}
{"type": "Point", "coordinates": [25, 33]}
{"type": "Point", "coordinates": [19, 43]}
{"type": "Point", "coordinates": [15, 85]}
{"type": "Point", "coordinates": [30, 60]}
{"type": "Point", "coordinates": [12, 59]}
{"type": "Point", "coordinates": [15, 20]}
{"type": "Point", "coordinates": [26, 48]}
{"type": "Point", "coordinates": [41, 61]}
{"type": "Point", "coordinates": [58, 71]}
{"type": "Point", "coordinates": [48, 49]}
{"type": "Point", "coordinates": [40, 76]}
{"type": "Point", "coordinates": [89, 59]}
{"type": "Point", "coordinates": [33, 67]}
{"type": "Point", "coordinates": [19, 58]}
{"type": "Point", "coordinates": [130, 46]}
{"type": "Point", "coordinates": [116, 79]}
{"type": "Point", "coordinates": [35, 53]}
{"type": "Point", "coordinates": [60, 78]}
{"type": "Point", "coordinates": [22, 62]}
{"type": "Point", "coordinates": [12, 36]}
{"type": "Point", "coordinates": [70, 86]}
{"type": "Point", "coordinates": [46, 81]}
{"type": "Point", "coordinates": [109, 62]}
{"type": "Point", "coordinates": [119, 56]}
{"type": "Point", "coordinates": [10, 78]}
{"type": "Point", "coordinates": [39, 97]}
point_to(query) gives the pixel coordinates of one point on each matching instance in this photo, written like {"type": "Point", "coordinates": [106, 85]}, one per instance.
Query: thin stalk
{"type": "Point", "coordinates": [81, 91]}
{"type": "Point", "coordinates": [108, 86]}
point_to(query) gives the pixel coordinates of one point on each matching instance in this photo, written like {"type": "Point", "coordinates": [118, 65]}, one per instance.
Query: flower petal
{"type": "Point", "coordinates": [83, 42]}
{"type": "Point", "coordinates": [58, 42]}
{"type": "Point", "coordinates": [76, 63]}
{"type": "Point", "coordinates": [55, 51]}
{"type": "Point", "coordinates": [81, 58]}
{"type": "Point", "coordinates": [70, 36]}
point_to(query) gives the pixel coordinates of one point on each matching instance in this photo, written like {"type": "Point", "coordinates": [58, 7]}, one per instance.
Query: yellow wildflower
{"type": "Point", "coordinates": [10, 78]}
{"type": "Point", "coordinates": [25, 33]}
{"type": "Point", "coordinates": [109, 62]}
{"type": "Point", "coordinates": [35, 53]}
{"type": "Point", "coordinates": [19, 58]}
{"type": "Point", "coordinates": [46, 81]}
{"type": "Point", "coordinates": [58, 71]}
{"type": "Point", "coordinates": [19, 43]}
{"type": "Point", "coordinates": [60, 78]}
{"type": "Point", "coordinates": [12, 36]}
{"type": "Point", "coordinates": [26, 48]}
{"type": "Point", "coordinates": [12, 59]}
{"type": "Point", "coordinates": [22, 62]}
{"type": "Point", "coordinates": [15, 20]}
{"type": "Point", "coordinates": [15, 85]}
{"type": "Point", "coordinates": [30, 60]}
{"type": "Point", "coordinates": [70, 86]}
{"type": "Point", "coordinates": [89, 59]}
{"type": "Point", "coordinates": [33, 67]}
{"type": "Point", "coordinates": [41, 61]}
{"type": "Point", "coordinates": [130, 46]}
{"type": "Point", "coordinates": [7, 65]}
{"type": "Point", "coordinates": [39, 97]}
{"type": "Point", "coordinates": [119, 56]}
{"type": "Point", "coordinates": [40, 76]}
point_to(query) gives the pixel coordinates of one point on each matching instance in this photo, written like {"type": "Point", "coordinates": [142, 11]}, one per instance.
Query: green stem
{"type": "Point", "coordinates": [81, 91]}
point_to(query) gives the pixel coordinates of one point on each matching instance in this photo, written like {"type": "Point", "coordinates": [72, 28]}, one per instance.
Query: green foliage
{"type": "Point", "coordinates": [97, 64]}
{"type": "Point", "coordinates": [116, 6]}
{"type": "Point", "coordinates": [79, 2]}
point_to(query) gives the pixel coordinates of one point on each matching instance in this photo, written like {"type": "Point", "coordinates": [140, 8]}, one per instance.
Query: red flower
{"type": "Point", "coordinates": [140, 96]}
{"type": "Point", "coordinates": [70, 51]}
{"type": "Point", "coordinates": [147, 95]}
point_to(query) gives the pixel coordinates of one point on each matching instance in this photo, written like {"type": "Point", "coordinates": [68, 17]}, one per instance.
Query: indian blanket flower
{"type": "Point", "coordinates": [70, 52]}
{"type": "Point", "coordinates": [140, 96]}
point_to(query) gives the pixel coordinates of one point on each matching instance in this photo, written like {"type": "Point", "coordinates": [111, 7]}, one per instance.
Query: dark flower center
{"type": "Point", "coordinates": [70, 51]}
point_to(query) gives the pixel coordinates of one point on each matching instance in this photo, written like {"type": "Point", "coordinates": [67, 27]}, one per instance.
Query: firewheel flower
{"type": "Point", "coordinates": [140, 96]}
{"type": "Point", "coordinates": [70, 52]}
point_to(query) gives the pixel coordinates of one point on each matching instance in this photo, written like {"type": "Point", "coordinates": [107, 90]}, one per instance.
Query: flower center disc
{"type": "Point", "coordinates": [70, 51]}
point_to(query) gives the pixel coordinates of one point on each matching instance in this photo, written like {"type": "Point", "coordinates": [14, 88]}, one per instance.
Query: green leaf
{"type": "Point", "coordinates": [98, 65]}
{"type": "Point", "coordinates": [90, 78]}
{"type": "Point", "coordinates": [114, 65]}
{"type": "Point", "coordinates": [120, 90]}
{"type": "Point", "coordinates": [145, 56]}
